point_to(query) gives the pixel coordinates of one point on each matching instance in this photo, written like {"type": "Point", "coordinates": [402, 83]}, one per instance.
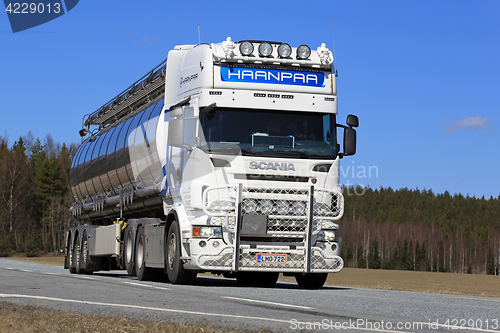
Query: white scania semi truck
{"type": "Point", "coordinates": [222, 159]}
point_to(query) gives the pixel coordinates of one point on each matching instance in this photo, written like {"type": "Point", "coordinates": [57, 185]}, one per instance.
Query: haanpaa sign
{"type": "Point", "coordinates": [25, 15]}
{"type": "Point", "coordinates": [272, 76]}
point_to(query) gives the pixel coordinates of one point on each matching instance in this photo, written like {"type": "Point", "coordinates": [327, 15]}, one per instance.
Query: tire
{"type": "Point", "coordinates": [89, 264]}
{"type": "Point", "coordinates": [311, 281]}
{"type": "Point", "coordinates": [85, 260]}
{"type": "Point", "coordinates": [257, 279]}
{"type": "Point", "coordinates": [77, 255]}
{"type": "Point", "coordinates": [128, 252]}
{"type": "Point", "coordinates": [71, 256]}
{"type": "Point", "coordinates": [143, 273]}
{"type": "Point", "coordinates": [173, 263]}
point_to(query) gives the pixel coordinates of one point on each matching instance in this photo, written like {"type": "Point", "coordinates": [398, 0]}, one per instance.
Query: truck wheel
{"type": "Point", "coordinates": [129, 252]}
{"type": "Point", "coordinates": [78, 255]}
{"type": "Point", "coordinates": [85, 260]}
{"type": "Point", "coordinates": [311, 281]}
{"type": "Point", "coordinates": [143, 273]}
{"type": "Point", "coordinates": [257, 279]}
{"type": "Point", "coordinates": [173, 265]}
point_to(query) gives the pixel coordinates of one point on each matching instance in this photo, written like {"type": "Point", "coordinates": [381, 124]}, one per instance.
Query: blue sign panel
{"type": "Point", "coordinates": [272, 76]}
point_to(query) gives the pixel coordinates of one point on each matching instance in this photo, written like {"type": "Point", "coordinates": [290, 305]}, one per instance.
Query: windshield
{"type": "Point", "coordinates": [269, 133]}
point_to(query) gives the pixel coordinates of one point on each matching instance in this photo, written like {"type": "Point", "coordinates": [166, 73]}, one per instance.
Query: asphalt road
{"type": "Point", "coordinates": [222, 303]}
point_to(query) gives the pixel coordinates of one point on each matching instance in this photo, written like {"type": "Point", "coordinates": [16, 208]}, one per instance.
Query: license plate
{"type": "Point", "coordinates": [274, 259]}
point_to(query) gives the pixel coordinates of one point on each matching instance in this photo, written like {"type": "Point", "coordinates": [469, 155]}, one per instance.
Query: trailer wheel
{"type": "Point", "coordinates": [257, 279]}
{"type": "Point", "coordinates": [173, 263]}
{"type": "Point", "coordinates": [311, 280]}
{"type": "Point", "coordinates": [89, 264]}
{"type": "Point", "coordinates": [129, 252]}
{"type": "Point", "coordinates": [71, 255]}
{"type": "Point", "coordinates": [143, 273]}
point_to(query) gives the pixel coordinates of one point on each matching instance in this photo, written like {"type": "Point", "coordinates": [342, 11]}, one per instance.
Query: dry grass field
{"type": "Point", "coordinates": [15, 318]}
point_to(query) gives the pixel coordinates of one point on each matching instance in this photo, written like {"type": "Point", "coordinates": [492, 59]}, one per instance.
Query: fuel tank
{"type": "Point", "coordinates": [121, 156]}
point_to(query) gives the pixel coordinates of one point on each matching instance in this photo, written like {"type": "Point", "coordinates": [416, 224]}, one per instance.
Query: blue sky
{"type": "Point", "coordinates": [423, 76]}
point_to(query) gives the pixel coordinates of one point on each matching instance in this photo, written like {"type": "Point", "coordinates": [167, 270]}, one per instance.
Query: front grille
{"type": "Point", "coordinates": [286, 209]}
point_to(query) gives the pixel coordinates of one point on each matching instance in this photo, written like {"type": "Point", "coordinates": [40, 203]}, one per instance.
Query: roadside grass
{"type": "Point", "coordinates": [431, 282]}
{"type": "Point", "coordinates": [14, 318]}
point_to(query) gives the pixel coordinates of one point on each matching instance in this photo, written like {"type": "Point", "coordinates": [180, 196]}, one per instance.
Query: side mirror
{"type": "Point", "coordinates": [176, 132]}
{"type": "Point", "coordinates": [352, 120]}
{"type": "Point", "coordinates": [349, 136]}
{"type": "Point", "coordinates": [349, 141]}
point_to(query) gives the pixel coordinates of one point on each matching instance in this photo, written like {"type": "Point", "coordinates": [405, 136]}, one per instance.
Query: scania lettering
{"type": "Point", "coordinates": [223, 159]}
{"type": "Point", "coordinates": [272, 166]}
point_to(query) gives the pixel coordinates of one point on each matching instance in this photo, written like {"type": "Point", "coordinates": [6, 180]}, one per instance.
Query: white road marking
{"type": "Point", "coordinates": [477, 299]}
{"type": "Point", "coordinates": [270, 303]}
{"type": "Point", "coordinates": [145, 285]}
{"type": "Point", "coordinates": [86, 277]}
{"type": "Point", "coordinates": [168, 310]}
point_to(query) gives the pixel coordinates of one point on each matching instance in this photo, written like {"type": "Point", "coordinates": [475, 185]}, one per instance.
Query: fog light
{"type": "Point", "coordinates": [282, 207]}
{"type": "Point", "coordinates": [202, 243]}
{"type": "Point", "coordinates": [265, 49]}
{"type": "Point", "coordinates": [334, 247]}
{"type": "Point", "coordinates": [249, 206]}
{"type": "Point", "coordinates": [216, 244]}
{"type": "Point", "coordinates": [298, 208]}
{"type": "Point", "coordinates": [284, 50]}
{"type": "Point", "coordinates": [266, 206]}
{"type": "Point", "coordinates": [303, 52]}
{"type": "Point", "coordinates": [246, 48]}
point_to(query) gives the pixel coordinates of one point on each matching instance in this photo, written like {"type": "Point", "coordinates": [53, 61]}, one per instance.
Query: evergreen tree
{"type": "Point", "coordinates": [374, 260]}
{"type": "Point", "coordinates": [361, 258]}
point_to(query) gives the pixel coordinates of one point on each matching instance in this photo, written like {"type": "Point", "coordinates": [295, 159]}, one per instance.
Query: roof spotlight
{"type": "Point", "coordinates": [265, 49]}
{"type": "Point", "coordinates": [303, 52]}
{"type": "Point", "coordinates": [246, 48]}
{"type": "Point", "coordinates": [284, 50]}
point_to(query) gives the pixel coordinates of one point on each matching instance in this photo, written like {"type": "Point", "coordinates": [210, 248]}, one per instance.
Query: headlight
{"type": "Point", "coordinates": [265, 49]}
{"type": "Point", "coordinates": [282, 207]}
{"type": "Point", "coordinates": [326, 235]}
{"type": "Point", "coordinates": [249, 206]}
{"type": "Point", "coordinates": [298, 208]}
{"type": "Point", "coordinates": [207, 232]}
{"type": "Point", "coordinates": [246, 48]}
{"type": "Point", "coordinates": [266, 206]}
{"type": "Point", "coordinates": [284, 50]}
{"type": "Point", "coordinates": [303, 52]}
